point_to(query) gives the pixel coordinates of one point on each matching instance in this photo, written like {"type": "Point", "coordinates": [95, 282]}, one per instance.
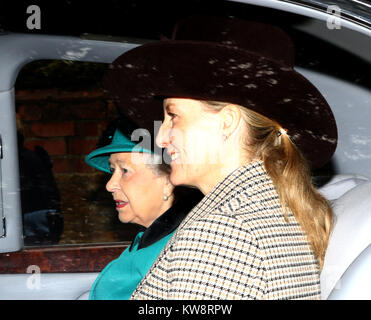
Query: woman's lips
{"type": "Point", "coordinates": [174, 155]}
{"type": "Point", "coordinates": [120, 204]}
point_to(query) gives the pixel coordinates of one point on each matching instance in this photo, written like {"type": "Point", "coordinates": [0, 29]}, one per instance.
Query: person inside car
{"type": "Point", "coordinates": [40, 196]}
{"type": "Point", "coordinates": [143, 194]}
{"type": "Point", "coordinates": [245, 128]}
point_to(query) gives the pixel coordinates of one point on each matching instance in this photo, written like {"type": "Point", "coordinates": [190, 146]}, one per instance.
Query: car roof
{"type": "Point", "coordinates": [71, 17]}
{"type": "Point", "coordinates": [148, 19]}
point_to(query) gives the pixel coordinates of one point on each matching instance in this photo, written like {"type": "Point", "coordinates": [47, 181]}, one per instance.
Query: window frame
{"type": "Point", "coordinates": [18, 50]}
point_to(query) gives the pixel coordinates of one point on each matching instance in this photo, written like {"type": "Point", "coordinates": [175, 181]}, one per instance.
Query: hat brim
{"type": "Point", "coordinates": [99, 158]}
{"type": "Point", "coordinates": [210, 71]}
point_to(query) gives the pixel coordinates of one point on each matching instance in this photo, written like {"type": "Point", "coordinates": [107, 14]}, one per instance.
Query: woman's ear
{"type": "Point", "coordinates": [231, 117]}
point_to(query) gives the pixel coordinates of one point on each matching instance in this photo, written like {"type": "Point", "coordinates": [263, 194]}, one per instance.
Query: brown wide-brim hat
{"type": "Point", "coordinates": [262, 80]}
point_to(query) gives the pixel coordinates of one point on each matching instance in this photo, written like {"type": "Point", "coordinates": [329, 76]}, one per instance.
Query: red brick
{"type": "Point", "coordinates": [53, 129]}
{"type": "Point", "coordinates": [29, 112]}
{"type": "Point", "coordinates": [89, 129]}
{"type": "Point", "coordinates": [58, 95]}
{"type": "Point", "coordinates": [53, 147]}
{"type": "Point", "coordinates": [79, 165]}
{"type": "Point", "coordinates": [103, 126]}
{"type": "Point", "coordinates": [82, 146]}
{"type": "Point", "coordinates": [35, 95]}
{"type": "Point", "coordinates": [64, 95]}
{"type": "Point", "coordinates": [111, 110]}
{"type": "Point", "coordinates": [61, 165]}
{"type": "Point", "coordinates": [96, 110]}
{"type": "Point", "coordinates": [50, 112]}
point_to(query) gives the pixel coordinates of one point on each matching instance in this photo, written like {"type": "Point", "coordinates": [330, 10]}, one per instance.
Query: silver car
{"type": "Point", "coordinates": [333, 42]}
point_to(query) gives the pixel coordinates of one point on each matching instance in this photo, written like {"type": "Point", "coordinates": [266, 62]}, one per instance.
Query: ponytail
{"type": "Point", "coordinates": [266, 140]}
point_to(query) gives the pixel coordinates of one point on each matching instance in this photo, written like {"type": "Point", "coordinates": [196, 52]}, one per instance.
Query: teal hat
{"type": "Point", "coordinates": [99, 158]}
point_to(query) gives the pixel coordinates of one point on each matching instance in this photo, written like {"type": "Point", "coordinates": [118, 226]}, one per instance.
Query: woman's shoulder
{"type": "Point", "coordinates": [263, 229]}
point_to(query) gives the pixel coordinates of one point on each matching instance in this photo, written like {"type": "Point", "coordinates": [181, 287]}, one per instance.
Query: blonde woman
{"type": "Point", "coordinates": [242, 126]}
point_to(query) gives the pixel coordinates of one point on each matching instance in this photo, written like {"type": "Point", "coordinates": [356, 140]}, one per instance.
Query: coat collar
{"type": "Point", "coordinates": [246, 177]}
{"type": "Point", "coordinates": [169, 220]}
{"type": "Point", "coordinates": [241, 179]}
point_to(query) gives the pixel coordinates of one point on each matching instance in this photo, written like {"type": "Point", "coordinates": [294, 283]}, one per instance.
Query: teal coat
{"type": "Point", "coordinates": [120, 277]}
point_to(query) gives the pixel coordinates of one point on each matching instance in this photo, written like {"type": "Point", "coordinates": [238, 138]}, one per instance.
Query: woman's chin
{"type": "Point", "coordinates": [175, 177]}
{"type": "Point", "coordinates": [123, 217]}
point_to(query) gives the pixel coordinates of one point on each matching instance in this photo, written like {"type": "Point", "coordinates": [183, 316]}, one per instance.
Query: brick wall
{"type": "Point", "coordinates": [68, 125]}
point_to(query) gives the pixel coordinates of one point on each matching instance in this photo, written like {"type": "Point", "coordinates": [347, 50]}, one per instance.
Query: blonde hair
{"type": "Point", "coordinates": [266, 140]}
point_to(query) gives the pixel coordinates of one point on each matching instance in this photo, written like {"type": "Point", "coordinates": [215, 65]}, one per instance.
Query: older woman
{"type": "Point", "coordinates": [143, 194]}
{"type": "Point", "coordinates": [245, 128]}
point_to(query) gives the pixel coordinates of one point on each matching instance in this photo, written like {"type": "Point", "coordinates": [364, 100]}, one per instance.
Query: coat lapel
{"type": "Point", "coordinates": [224, 192]}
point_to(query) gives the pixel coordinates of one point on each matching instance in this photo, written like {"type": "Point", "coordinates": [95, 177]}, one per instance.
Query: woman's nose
{"type": "Point", "coordinates": [112, 183]}
{"type": "Point", "coordinates": [163, 136]}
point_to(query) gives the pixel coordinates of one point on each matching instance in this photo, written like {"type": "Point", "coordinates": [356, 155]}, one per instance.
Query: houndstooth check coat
{"type": "Point", "coordinates": [235, 244]}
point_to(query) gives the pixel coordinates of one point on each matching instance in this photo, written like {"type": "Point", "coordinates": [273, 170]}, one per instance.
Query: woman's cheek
{"type": "Point", "coordinates": [136, 180]}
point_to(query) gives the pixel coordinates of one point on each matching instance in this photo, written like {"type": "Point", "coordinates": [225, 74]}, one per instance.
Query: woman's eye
{"type": "Point", "coordinates": [173, 117]}
{"type": "Point", "coordinates": [123, 170]}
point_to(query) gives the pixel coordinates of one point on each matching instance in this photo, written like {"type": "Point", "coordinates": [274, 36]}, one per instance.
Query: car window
{"type": "Point", "coordinates": [62, 113]}
{"type": "Point", "coordinates": [62, 108]}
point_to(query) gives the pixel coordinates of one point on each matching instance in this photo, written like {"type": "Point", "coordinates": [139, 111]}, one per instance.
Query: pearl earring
{"type": "Point", "coordinates": [165, 197]}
